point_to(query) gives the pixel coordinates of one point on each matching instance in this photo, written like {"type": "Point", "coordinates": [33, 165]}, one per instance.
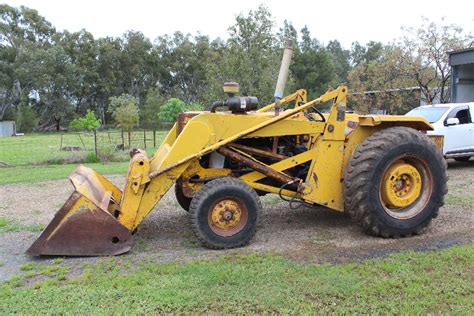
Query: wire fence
{"type": "Point", "coordinates": [110, 139]}
{"type": "Point", "coordinates": [53, 148]}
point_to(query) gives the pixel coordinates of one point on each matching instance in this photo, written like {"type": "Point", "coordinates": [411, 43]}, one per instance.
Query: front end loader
{"type": "Point", "coordinates": [384, 171]}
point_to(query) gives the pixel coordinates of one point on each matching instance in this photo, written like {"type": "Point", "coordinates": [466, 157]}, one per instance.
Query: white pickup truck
{"type": "Point", "coordinates": [455, 121]}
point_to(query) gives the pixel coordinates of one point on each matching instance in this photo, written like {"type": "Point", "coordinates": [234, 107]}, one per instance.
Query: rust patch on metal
{"type": "Point", "coordinates": [259, 152]}
{"type": "Point", "coordinates": [88, 232]}
{"type": "Point", "coordinates": [255, 165]}
{"type": "Point", "coordinates": [182, 119]}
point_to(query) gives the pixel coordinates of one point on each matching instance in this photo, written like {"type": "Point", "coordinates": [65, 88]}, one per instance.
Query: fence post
{"type": "Point", "coordinates": [129, 136]}
{"type": "Point", "coordinates": [95, 142]}
{"type": "Point", "coordinates": [154, 138]}
{"type": "Point", "coordinates": [123, 140]}
{"type": "Point", "coordinates": [144, 137]}
{"type": "Point", "coordinates": [61, 146]}
{"type": "Point", "coordinates": [83, 145]}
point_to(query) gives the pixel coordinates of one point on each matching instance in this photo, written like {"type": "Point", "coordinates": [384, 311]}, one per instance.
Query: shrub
{"type": "Point", "coordinates": [88, 122]}
{"type": "Point", "coordinates": [91, 158]}
{"type": "Point", "coordinates": [170, 110]}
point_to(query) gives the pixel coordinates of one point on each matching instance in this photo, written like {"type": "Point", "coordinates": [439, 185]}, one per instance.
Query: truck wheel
{"type": "Point", "coordinates": [395, 183]}
{"type": "Point", "coordinates": [224, 213]}
{"type": "Point", "coordinates": [182, 199]}
{"type": "Point", "coordinates": [462, 159]}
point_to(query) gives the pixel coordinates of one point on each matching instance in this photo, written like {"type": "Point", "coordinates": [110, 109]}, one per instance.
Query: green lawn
{"type": "Point", "coordinates": [30, 174]}
{"type": "Point", "coordinates": [44, 147]}
{"type": "Point", "coordinates": [404, 283]}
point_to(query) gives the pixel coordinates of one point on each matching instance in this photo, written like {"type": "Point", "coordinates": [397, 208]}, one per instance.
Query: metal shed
{"type": "Point", "coordinates": [7, 128]}
{"type": "Point", "coordinates": [462, 79]}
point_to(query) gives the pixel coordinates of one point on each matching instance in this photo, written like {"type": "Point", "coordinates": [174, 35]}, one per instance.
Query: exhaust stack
{"type": "Point", "coordinates": [283, 75]}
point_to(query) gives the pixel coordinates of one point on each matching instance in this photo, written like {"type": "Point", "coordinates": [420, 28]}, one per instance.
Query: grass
{"type": "Point", "coordinates": [10, 226]}
{"type": "Point", "coordinates": [45, 147]}
{"type": "Point", "coordinates": [405, 283]}
{"type": "Point", "coordinates": [457, 200]}
{"type": "Point", "coordinates": [32, 174]}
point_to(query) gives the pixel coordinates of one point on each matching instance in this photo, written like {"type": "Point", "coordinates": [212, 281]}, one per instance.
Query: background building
{"type": "Point", "coordinates": [7, 128]}
{"type": "Point", "coordinates": [462, 80]}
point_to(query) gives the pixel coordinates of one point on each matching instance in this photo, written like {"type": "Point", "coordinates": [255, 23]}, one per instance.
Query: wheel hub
{"type": "Point", "coordinates": [226, 214]}
{"type": "Point", "coordinates": [401, 185]}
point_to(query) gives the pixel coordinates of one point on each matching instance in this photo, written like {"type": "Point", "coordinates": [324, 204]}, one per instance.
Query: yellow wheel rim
{"type": "Point", "coordinates": [227, 217]}
{"type": "Point", "coordinates": [401, 185]}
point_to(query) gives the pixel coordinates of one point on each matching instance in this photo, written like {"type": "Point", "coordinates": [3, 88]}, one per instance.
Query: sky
{"type": "Point", "coordinates": [346, 21]}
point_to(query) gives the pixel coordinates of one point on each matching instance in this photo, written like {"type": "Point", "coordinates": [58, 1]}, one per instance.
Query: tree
{"type": "Point", "coordinates": [135, 60]}
{"type": "Point", "coordinates": [170, 110]}
{"type": "Point", "coordinates": [21, 31]}
{"type": "Point", "coordinates": [125, 111]}
{"type": "Point", "coordinates": [424, 54]}
{"type": "Point", "coordinates": [365, 54]}
{"type": "Point", "coordinates": [82, 51]}
{"type": "Point", "coordinates": [417, 61]}
{"type": "Point", "coordinates": [88, 122]}
{"type": "Point", "coordinates": [249, 58]}
{"type": "Point", "coordinates": [384, 77]}
{"type": "Point", "coordinates": [312, 65]}
{"type": "Point", "coordinates": [340, 61]}
{"type": "Point", "coordinates": [151, 108]}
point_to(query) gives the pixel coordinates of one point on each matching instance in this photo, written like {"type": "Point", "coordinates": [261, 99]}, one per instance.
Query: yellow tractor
{"type": "Point", "coordinates": [384, 171]}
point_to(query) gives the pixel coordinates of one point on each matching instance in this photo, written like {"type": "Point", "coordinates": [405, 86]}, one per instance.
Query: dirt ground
{"type": "Point", "coordinates": [306, 234]}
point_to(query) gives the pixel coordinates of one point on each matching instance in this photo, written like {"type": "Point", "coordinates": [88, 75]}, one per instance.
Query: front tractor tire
{"type": "Point", "coordinates": [224, 213]}
{"type": "Point", "coordinates": [395, 183]}
{"type": "Point", "coordinates": [183, 200]}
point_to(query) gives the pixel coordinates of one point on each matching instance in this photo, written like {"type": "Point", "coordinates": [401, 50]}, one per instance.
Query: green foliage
{"type": "Point", "coordinates": [91, 158]}
{"type": "Point", "coordinates": [195, 106]}
{"type": "Point", "coordinates": [170, 110]}
{"type": "Point", "coordinates": [26, 119]}
{"type": "Point", "coordinates": [312, 67]}
{"type": "Point", "coordinates": [88, 122]}
{"type": "Point", "coordinates": [70, 73]}
{"type": "Point", "coordinates": [125, 111]}
{"type": "Point", "coordinates": [149, 111]}
{"type": "Point", "coordinates": [340, 61]}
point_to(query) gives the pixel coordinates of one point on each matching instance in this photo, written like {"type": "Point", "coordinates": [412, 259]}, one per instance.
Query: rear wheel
{"type": "Point", "coordinates": [395, 183]}
{"type": "Point", "coordinates": [462, 159]}
{"type": "Point", "coordinates": [224, 213]}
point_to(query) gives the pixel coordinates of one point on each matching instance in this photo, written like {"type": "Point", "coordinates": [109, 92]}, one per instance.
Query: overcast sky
{"type": "Point", "coordinates": [346, 21]}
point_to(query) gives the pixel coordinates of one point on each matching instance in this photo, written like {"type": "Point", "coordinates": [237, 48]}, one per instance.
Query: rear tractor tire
{"type": "Point", "coordinates": [395, 183]}
{"type": "Point", "coordinates": [224, 213]}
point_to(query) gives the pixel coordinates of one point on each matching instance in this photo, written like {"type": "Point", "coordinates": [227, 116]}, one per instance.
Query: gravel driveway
{"type": "Point", "coordinates": [307, 234]}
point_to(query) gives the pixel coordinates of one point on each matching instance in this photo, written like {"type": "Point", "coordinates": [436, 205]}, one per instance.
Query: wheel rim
{"type": "Point", "coordinates": [227, 216]}
{"type": "Point", "coordinates": [406, 187]}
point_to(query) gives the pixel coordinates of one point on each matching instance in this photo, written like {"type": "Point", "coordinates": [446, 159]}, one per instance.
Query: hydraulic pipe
{"type": "Point", "coordinates": [215, 105]}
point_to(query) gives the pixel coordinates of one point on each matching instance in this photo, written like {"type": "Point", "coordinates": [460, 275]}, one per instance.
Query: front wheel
{"type": "Point", "coordinates": [395, 182]}
{"type": "Point", "coordinates": [224, 213]}
{"type": "Point", "coordinates": [183, 200]}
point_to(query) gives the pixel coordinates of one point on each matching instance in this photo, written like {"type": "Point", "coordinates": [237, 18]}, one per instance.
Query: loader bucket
{"type": "Point", "coordinates": [84, 226]}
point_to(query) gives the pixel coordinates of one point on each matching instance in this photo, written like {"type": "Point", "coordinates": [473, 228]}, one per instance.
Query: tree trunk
{"type": "Point", "coordinates": [58, 126]}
